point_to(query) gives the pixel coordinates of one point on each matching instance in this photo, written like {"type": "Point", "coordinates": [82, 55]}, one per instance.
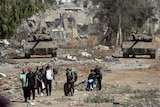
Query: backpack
{"type": "Point", "coordinates": [75, 75]}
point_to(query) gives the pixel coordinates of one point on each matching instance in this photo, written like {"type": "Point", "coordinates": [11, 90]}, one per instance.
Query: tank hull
{"type": "Point", "coordinates": [40, 48]}
{"type": "Point", "coordinates": [139, 48]}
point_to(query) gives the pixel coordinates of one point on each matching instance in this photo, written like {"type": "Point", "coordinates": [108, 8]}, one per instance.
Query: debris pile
{"type": "Point", "coordinates": [10, 87]}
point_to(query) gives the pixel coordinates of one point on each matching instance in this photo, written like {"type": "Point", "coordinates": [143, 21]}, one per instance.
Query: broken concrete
{"type": "Point", "coordinates": [86, 54]}
{"type": "Point", "coordinates": [101, 47]}
{"type": "Point", "coordinates": [2, 75]}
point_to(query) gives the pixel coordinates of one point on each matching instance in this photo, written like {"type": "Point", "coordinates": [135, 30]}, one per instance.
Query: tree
{"type": "Point", "coordinates": [132, 15]}
{"type": "Point", "coordinates": [14, 11]}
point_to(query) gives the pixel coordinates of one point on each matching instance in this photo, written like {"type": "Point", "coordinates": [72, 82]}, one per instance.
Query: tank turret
{"type": "Point", "coordinates": [39, 37]}
{"type": "Point", "coordinates": [140, 37]}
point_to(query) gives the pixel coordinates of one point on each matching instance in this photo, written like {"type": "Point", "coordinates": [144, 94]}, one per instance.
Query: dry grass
{"type": "Point", "coordinates": [136, 98]}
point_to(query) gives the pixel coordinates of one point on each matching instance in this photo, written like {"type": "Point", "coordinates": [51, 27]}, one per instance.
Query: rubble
{"type": "Point", "coordinates": [11, 88]}
{"type": "Point", "coordinates": [4, 43]}
{"type": "Point", "coordinates": [68, 56]}
{"type": "Point", "coordinates": [2, 61]}
{"type": "Point", "coordinates": [2, 75]}
{"type": "Point", "coordinates": [118, 53]}
{"type": "Point", "coordinates": [3, 53]}
{"type": "Point", "coordinates": [20, 65]}
{"type": "Point", "coordinates": [18, 51]}
{"type": "Point", "coordinates": [72, 58]}
{"type": "Point", "coordinates": [31, 64]}
{"type": "Point", "coordinates": [86, 54]}
{"type": "Point", "coordinates": [110, 58]}
{"type": "Point", "coordinates": [102, 47]}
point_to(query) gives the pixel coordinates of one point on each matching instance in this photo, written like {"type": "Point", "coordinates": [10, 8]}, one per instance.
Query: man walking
{"type": "Point", "coordinates": [49, 77]}
{"type": "Point", "coordinates": [32, 83]}
{"type": "Point", "coordinates": [70, 81]}
{"type": "Point", "coordinates": [24, 84]}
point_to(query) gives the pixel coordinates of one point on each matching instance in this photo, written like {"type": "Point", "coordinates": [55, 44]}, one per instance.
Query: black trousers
{"type": "Point", "coordinates": [99, 83]}
{"type": "Point", "coordinates": [25, 93]}
{"type": "Point", "coordinates": [39, 87]}
{"type": "Point", "coordinates": [48, 86]}
{"type": "Point", "coordinates": [71, 86]}
{"type": "Point", "coordinates": [31, 90]}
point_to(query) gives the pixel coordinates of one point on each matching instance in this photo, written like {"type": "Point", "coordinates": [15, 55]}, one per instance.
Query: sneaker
{"type": "Point", "coordinates": [25, 100]}
{"type": "Point", "coordinates": [91, 88]}
{"type": "Point", "coordinates": [29, 101]}
{"type": "Point", "coordinates": [41, 94]}
{"type": "Point", "coordinates": [87, 89]}
{"type": "Point", "coordinates": [94, 85]}
{"type": "Point", "coordinates": [72, 94]}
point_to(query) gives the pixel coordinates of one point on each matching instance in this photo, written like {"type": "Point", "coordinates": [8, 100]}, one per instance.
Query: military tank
{"type": "Point", "coordinates": [40, 44]}
{"type": "Point", "coordinates": [139, 44]}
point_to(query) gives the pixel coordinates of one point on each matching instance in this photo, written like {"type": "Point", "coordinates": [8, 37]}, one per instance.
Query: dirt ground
{"type": "Point", "coordinates": [119, 77]}
{"type": "Point", "coordinates": [144, 79]}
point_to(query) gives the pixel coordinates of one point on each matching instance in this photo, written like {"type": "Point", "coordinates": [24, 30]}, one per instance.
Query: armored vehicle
{"type": "Point", "coordinates": [40, 44]}
{"type": "Point", "coordinates": [139, 44]}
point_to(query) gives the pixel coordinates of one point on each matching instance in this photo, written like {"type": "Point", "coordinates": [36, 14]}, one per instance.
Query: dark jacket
{"type": "Point", "coordinates": [98, 74]}
{"type": "Point", "coordinates": [31, 78]}
{"type": "Point", "coordinates": [43, 72]}
{"type": "Point", "coordinates": [91, 76]}
{"type": "Point", "coordinates": [39, 74]}
{"type": "Point", "coordinates": [69, 76]}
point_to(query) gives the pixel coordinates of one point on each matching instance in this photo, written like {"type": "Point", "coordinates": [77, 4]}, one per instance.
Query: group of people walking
{"type": "Point", "coordinates": [43, 76]}
{"type": "Point", "coordinates": [38, 79]}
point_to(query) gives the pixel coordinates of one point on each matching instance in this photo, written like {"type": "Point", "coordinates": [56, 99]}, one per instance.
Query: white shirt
{"type": "Point", "coordinates": [49, 74]}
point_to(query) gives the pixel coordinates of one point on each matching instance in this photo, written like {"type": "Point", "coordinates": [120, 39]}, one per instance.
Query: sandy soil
{"type": "Point", "coordinates": [137, 79]}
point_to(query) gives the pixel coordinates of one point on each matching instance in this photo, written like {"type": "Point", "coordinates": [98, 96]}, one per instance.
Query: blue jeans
{"type": "Point", "coordinates": [90, 83]}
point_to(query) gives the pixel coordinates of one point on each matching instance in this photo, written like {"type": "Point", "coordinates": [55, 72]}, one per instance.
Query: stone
{"type": "Point", "coordinates": [101, 47]}
{"type": "Point", "coordinates": [3, 75]}
{"type": "Point", "coordinates": [86, 54]}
